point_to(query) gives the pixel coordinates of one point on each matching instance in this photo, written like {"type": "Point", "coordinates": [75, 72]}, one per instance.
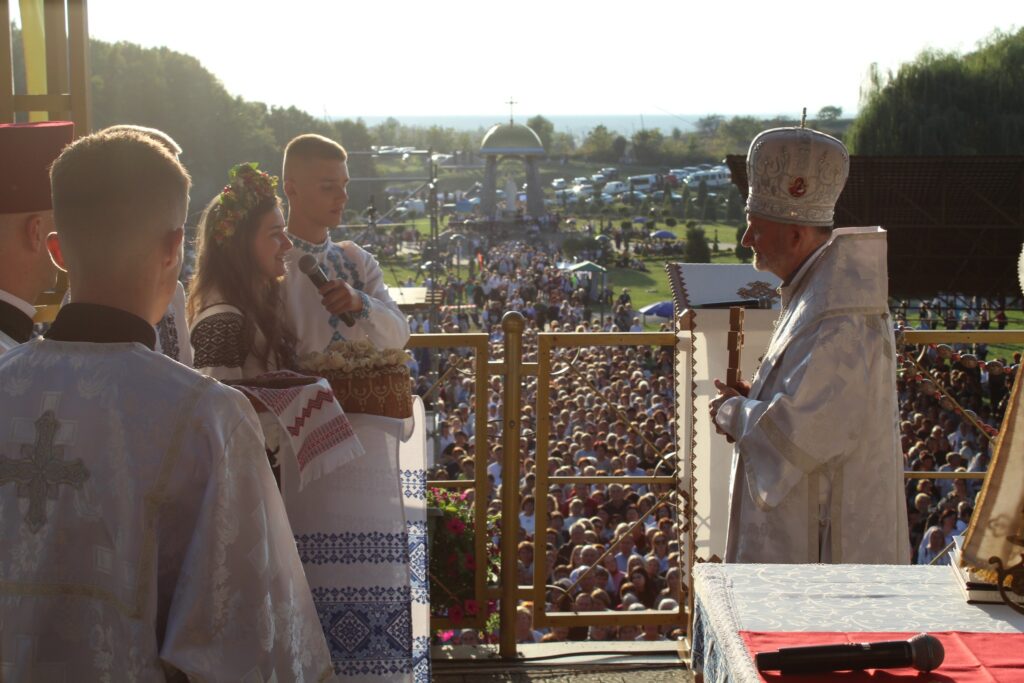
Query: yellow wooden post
{"type": "Point", "coordinates": [513, 324]}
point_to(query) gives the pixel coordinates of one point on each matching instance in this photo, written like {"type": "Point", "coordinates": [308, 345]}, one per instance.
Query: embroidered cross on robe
{"type": "Point", "coordinates": [40, 474]}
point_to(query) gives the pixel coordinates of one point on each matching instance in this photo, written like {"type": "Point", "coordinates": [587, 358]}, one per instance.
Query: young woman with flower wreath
{"type": "Point", "coordinates": [236, 312]}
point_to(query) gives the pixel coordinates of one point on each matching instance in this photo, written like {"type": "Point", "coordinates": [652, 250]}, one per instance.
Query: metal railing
{"type": "Point", "coordinates": [514, 370]}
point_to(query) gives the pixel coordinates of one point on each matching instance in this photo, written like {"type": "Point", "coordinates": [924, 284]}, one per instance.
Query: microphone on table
{"type": "Point", "coordinates": [922, 652]}
{"type": "Point", "coordinates": [316, 275]}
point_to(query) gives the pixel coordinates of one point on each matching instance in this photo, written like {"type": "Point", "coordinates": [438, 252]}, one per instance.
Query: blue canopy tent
{"type": "Point", "coordinates": [661, 309]}
{"type": "Point", "coordinates": [663, 235]}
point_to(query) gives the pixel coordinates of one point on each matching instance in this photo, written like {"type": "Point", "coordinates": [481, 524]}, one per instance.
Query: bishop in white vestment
{"type": "Point", "coordinates": [141, 531]}
{"type": "Point", "coordinates": [817, 471]}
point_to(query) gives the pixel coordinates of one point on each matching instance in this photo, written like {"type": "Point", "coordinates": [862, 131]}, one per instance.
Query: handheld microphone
{"type": "Point", "coordinates": [316, 275]}
{"type": "Point", "coordinates": [922, 652]}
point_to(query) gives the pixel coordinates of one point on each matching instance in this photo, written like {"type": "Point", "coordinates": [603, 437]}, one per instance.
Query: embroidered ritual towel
{"type": "Point", "coordinates": [319, 432]}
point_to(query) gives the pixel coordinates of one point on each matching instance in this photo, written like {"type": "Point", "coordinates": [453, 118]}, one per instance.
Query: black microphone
{"type": "Point", "coordinates": [922, 652]}
{"type": "Point", "coordinates": [316, 275]}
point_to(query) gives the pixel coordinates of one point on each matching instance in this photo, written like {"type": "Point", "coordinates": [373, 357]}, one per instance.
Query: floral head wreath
{"type": "Point", "coordinates": [247, 187]}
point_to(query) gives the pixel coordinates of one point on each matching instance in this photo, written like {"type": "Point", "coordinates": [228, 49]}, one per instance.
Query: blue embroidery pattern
{"type": "Point", "coordinates": [309, 247]}
{"type": "Point", "coordinates": [414, 484]}
{"type": "Point", "coordinates": [421, 659]}
{"type": "Point", "coordinates": [369, 630]}
{"type": "Point", "coordinates": [365, 298]}
{"type": "Point", "coordinates": [418, 562]}
{"type": "Point", "coordinates": [372, 547]}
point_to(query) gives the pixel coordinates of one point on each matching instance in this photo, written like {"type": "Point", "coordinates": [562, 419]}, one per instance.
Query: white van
{"type": "Point", "coordinates": [643, 183]}
{"type": "Point", "coordinates": [615, 187]}
{"type": "Point", "coordinates": [714, 179]}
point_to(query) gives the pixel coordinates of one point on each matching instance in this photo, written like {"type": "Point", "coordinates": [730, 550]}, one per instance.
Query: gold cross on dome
{"type": "Point", "coordinates": [511, 103]}
{"type": "Point", "coordinates": [39, 475]}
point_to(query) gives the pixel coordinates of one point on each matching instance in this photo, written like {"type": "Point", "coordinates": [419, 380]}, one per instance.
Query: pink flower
{"type": "Point", "coordinates": [465, 494]}
{"type": "Point", "coordinates": [447, 635]}
{"type": "Point", "coordinates": [455, 614]}
{"type": "Point", "coordinates": [455, 525]}
{"type": "Point", "coordinates": [471, 607]}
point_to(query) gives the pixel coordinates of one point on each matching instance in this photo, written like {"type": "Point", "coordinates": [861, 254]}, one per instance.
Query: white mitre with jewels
{"type": "Point", "coordinates": [796, 176]}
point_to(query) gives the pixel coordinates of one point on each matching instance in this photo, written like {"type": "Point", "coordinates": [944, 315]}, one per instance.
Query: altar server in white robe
{"type": "Point", "coordinates": [141, 533]}
{"type": "Point", "coordinates": [817, 473]}
{"type": "Point", "coordinates": [315, 182]}
{"type": "Point", "coordinates": [27, 150]}
{"type": "Point", "coordinates": [172, 337]}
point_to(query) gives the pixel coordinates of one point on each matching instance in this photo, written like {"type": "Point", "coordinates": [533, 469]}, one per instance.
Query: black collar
{"type": "Point", "coordinates": [14, 323]}
{"type": "Point", "coordinates": [100, 325]}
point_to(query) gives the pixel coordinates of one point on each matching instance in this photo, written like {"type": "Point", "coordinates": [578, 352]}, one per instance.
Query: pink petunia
{"type": "Point", "coordinates": [455, 525]}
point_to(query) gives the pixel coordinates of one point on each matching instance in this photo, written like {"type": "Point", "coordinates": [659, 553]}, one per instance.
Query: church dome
{"type": "Point", "coordinates": [511, 138]}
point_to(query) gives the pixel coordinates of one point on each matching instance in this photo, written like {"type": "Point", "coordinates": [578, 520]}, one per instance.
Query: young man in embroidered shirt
{"type": "Point", "coordinates": [315, 183]}
{"type": "Point", "coordinates": [141, 527]}
{"type": "Point", "coordinates": [26, 219]}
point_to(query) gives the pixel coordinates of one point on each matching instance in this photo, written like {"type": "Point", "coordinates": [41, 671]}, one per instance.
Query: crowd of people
{"type": "Point", "coordinates": [612, 413]}
{"type": "Point", "coordinates": [936, 435]}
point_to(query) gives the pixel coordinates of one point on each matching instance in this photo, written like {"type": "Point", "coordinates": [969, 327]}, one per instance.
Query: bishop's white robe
{"type": "Point", "coordinates": [817, 472]}
{"type": "Point", "coordinates": [381, 321]}
{"type": "Point", "coordinates": [153, 538]}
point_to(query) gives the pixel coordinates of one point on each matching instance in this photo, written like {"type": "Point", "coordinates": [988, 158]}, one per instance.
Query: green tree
{"type": "Point", "coordinates": [697, 249]}
{"type": "Point", "coordinates": [947, 104]}
{"type": "Point", "coordinates": [744, 254]}
{"type": "Point", "coordinates": [647, 145]}
{"type": "Point", "coordinates": [830, 113]}
{"type": "Point", "coordinates": [544, 129]}
{"type": "Point", "coordinates": [597, 146]}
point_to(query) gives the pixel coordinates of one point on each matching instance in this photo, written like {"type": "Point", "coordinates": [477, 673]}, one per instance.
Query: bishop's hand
{"type": "Point", "coordinates": [725, 392]}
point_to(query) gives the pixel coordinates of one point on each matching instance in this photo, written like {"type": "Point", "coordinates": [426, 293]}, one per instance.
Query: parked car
{"type": "Point", "coordinates": [559, 184]}
{"type": "Point", "coordinates": [659, 196]}
{"type": "Point", "coordinates": [610, 173]}
{"type": "Point", "coordinates": [597, 178]}
{"type": "Point", "coordinates": [581, 181]}
{"type": "Point", "coordinates": [632, 195]}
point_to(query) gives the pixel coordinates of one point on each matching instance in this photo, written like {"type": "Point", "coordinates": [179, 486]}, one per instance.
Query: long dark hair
{"type": "Point", "coordinates": [226, 265]}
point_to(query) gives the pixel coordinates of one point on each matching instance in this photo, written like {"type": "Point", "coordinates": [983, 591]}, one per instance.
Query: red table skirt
{"type": "Point", "coordinates": [970, 657]}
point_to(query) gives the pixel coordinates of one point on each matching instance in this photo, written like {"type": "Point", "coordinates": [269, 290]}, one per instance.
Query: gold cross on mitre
{"type": "Point", "coordinates": [40, 473]}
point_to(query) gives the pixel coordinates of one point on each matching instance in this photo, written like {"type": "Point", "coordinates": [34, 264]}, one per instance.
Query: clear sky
{"type": "Point", "coordinates": [556, 57]}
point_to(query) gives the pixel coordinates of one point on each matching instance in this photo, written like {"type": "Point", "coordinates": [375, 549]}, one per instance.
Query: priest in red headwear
{"type": "Point", "coordinates": [26, 218]}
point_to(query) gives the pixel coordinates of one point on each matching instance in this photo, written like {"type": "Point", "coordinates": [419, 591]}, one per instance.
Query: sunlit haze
{"type": "Point", "coordinates": [555, 58]}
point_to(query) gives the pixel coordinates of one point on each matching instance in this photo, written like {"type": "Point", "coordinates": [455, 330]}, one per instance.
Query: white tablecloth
{"type": "Point", "coordinates": [839, 598]}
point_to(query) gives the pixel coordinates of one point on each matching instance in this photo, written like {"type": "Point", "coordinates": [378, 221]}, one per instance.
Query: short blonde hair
{"type": "Point", "coordinates": [108, 188]}
{"type": "Point", "coordinates": [311, 146]}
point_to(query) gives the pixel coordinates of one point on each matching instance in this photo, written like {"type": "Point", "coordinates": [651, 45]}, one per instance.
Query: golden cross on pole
{"type": "Point", "coordinates": [511, 103]}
